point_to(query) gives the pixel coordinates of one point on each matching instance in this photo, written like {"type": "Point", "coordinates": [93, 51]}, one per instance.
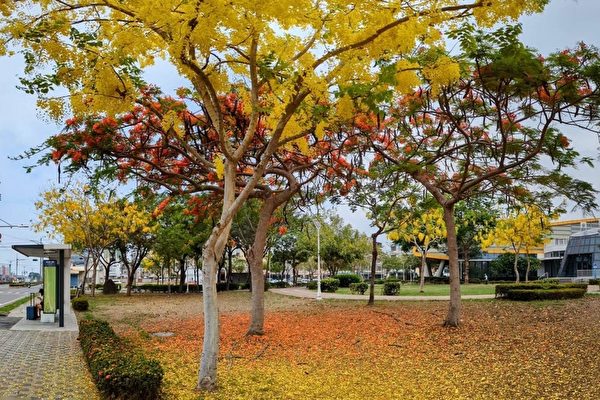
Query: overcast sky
{"type": "Point", "coordinates": [563, 24]}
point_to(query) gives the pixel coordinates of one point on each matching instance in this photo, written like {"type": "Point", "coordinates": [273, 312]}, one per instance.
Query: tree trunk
{"type": "Point", "coordinates": [374, 254]}
{"type": "Point", "coordinates": [130, 278]}
{"type": "Point", "coordinates": [255, 259]}
{"type": "Point", "coordinates": [229, 265]}
{"type": "Point", "coordinates": [182, 275]}
{"type": "Point", "coordinates": [94, 268]}
{"type": "Point", "coordinates": [211, 255]}
{"type": "Point", "coordinates": [423, 269]}
{"type": "Point", "coordinates": [453, 317]}
{"type": "Point", "coordinates": [466, 266]}
{"type": "Point", "coordinates": [207, 375]}
{"type": "Point", "coordinates": [516, 268]}
{"type": "Point", "coordinates": [107, 272]}
{"type": "Point", "coordinates": [528, 264]}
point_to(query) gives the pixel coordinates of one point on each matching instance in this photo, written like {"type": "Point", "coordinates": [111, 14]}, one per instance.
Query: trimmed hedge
{"type": "Point", "coordinates": [545, 294]}
{"type": "Point", "coordinates": [594, 281]}
{"type": "Point", "coordinates": [279, 284]}
{"type": "Point", "coordinates": [347, 279]}
{"type": "Point", "coordinates": [118, 370]}
{"type": "Point", "coordinates": [503, 290]}
{"type": "Point", "coordinates": [330, 285]}
{"type": "Point", "coordinates": [164, 288]}
{"type": "Point", "coordinates": [439, 280]}
{"type": "Point", "coordinates": [391, 288]}
{"type": "Point", "coordinates": [359, 288]}
{"type": "Point", "coordinates": [80, 304]}
{"type": "Point", "coordinates": [327, 285]}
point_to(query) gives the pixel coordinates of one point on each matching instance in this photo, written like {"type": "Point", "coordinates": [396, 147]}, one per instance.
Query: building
{"type": "Point", "coordinates": [570, 248]}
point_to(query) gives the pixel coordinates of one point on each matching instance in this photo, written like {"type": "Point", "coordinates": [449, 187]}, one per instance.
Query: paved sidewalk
{"type": "Point", "coordinates": [42, 362]}
{"type": "Point", "coordinates": [304, 292]}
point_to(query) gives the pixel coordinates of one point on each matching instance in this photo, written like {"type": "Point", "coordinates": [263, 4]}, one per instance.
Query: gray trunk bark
{"type": "Point", "coordinates": [374, 254]}
{"type": "Point", "coordinates": [453, 317]}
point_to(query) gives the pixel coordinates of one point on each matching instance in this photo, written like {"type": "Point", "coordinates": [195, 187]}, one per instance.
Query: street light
{"type": "Point", "coordinates": [318, 226]}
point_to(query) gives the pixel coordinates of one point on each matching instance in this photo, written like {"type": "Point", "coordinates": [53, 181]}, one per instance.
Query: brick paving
{"type": "Point", "coordinates": [42, 366]}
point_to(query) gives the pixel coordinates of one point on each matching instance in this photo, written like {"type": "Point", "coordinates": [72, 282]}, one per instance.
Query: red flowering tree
{"type": "Point", "coordinates": [165, 145]}
{"type": "Point", "coordinates": [495, 130]}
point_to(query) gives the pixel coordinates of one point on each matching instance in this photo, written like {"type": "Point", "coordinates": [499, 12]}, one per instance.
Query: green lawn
{"type": "Point", "coordinates": [9, 307]}
{"type": "Point", "coordinates": [412, 289]}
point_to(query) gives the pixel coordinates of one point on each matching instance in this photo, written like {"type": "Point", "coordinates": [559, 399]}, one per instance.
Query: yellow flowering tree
{"type": "Point", "coordinates": [289, 60]}
{"type": "Point", "coordinates": [423, 231]}
{"type": "Point", "coordinates": [94, 222]}
{"type": "Point", "coordinates": [520, 232]}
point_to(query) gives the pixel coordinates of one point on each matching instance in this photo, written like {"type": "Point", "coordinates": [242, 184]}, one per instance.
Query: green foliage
{"type": "Point", "coordinates": [545, 294]}
{"type": "Point", "coordinates": [312, 285]}
{"type": "Point", "coordinates": [359, 288]}
{"type": "Point", "coordinates": [120, 371]}
{"type": "Point", "coordinates": [504, 290]}
{"type": "Point", "coordinates": [279, 284]}
{"type": "Point", "coordinates": [164, 288]}
{"type": "Point", "coordinates": [391, 288]}
{"type": "Point", "coordinates": [4, 310]}
{"type": "Point", "coordinates": [80, 304]}
{"type": "Point", "coordinates": [330, 285]}
{"type": "Point", "coordinates": [341, 244]}
{"type": "Point", "coordinates": [347, 279]}
{"type": "Point", "coordinates": [440, 280]}
{"type": "Point", "coordinates": [110, 287]}
{"type": "Point", "coordinates": [502, 267]}
{"type": "Point", "coordinates": [594, 282]}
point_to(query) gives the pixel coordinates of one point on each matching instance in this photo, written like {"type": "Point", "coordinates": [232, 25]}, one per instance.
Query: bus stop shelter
{"type": "Point", "coordinates": [57, 263]}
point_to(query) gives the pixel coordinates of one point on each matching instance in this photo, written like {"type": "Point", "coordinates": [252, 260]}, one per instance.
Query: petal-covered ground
{"type": "Point", "coordinates": [397, 350]}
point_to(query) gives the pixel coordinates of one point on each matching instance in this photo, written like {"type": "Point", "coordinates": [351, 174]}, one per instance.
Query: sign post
{"type": "Point", "coordinates": [50, 288]}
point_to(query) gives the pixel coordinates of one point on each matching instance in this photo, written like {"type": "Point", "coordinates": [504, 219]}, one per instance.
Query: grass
{"type": "Point", "coordinates": [9, 307]}
{"type": "Point", "coordinates": [412, 289]}
{"type": "Point", "coordinates": [342, 349]}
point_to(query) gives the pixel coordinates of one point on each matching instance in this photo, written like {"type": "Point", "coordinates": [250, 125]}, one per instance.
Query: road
{"type": "Point", "coordinates": [9, 294]}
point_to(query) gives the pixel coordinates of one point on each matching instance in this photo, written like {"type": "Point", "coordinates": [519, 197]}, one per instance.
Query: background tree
{"type": "Point", "coordinates": [341, 244]}
{"type": "Point", "coordinates": [177, 235]}
{"type": "Point", "coordinates": [423, 230]}
{"type": "Point", "coordinates": [521, 231]}
{"type": "Point", "coordinates": [475, 218]}
{"type": "Point", "coordinates": [288, 250]}
{"type": "Point", "coordinates": [503, 267]}
{"type": "Point", "coordinates": [381, 194]}
{"type": "Point", "coordinates": [86, 219]}
{"type": "Point", "coordinates": [135, 237]}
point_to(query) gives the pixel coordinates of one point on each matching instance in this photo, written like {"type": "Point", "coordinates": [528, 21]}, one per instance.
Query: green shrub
{"type": "Point", "coordinates": [312, 285]}
{"type": "Point", "coordinates": [119, 371]}
{"type": "Point", "coordinates": [391, 288]}
{"type": "Point", "coordinates": [360, 287]}
{"type": "Point", "coordinates": [438, 280]}
{"type": "Point", "coordinates": [347, 279]}
{"type": "Point", "coordinates": [164, 288]}
{"type": "Point", "coordinates": [594, 281]}
{"type": "Point", "coordinates": [80, 304]}
{"type": "Point", "coordinates": [545, 294]}
{"type": "Point", "coordinates": [110, 287]}
{"type": "Point", "coordinates": [549, 280]}
{"type": "Point", "coordinates": [379, 281]}
{"type": "Point", "coordinates": [330, 285]}
{"type": "Point", "coordinates": [280, 284]}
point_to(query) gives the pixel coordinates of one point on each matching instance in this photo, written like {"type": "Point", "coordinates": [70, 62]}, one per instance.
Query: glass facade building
{"type": "Point", "coordinates": [582, 255]}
